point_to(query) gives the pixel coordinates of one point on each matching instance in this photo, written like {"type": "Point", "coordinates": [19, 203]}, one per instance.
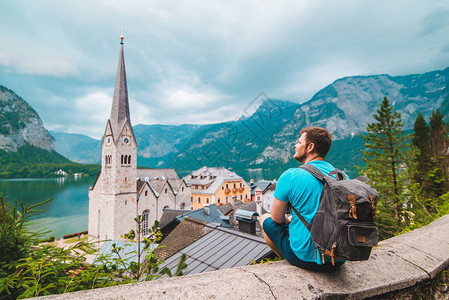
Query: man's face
{"type": "Point", "coordinates": [300, 147]}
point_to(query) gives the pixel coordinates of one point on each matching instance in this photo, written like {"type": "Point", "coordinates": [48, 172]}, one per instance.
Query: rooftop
{"type": "Point", "coordinates": [397, 263]}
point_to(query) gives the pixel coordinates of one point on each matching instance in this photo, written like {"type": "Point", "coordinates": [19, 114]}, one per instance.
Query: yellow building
{"type": "Point", "coordinates": [216, 186]}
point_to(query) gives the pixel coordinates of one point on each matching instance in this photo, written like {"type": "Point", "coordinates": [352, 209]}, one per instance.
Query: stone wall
{"type": "Point", "coordinates": [396, 265]}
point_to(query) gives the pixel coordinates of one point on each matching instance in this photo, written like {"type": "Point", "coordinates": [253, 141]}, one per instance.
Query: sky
{"type": "Point", "coordinates": [202, 62]}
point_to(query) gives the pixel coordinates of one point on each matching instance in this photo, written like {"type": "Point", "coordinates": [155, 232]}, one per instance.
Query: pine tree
{"type": "Point", "coordinates": [439, 142]}
{"type": "Point", "coordinates": [421, 140]}
{"type": "Point", "coordinates": [385, 143]}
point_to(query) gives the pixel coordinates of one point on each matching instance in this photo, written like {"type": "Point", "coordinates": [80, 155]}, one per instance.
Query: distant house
{"type": "Point", "coordinates": [262, 192]}
{"type": "Point", "coordinates": [210, 247]}
{"type": "Point", "coordinates": [216, 186]}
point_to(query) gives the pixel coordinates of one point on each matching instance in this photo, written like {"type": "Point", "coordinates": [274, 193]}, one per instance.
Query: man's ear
{"type": "Point", "coordinates": [310, 148]}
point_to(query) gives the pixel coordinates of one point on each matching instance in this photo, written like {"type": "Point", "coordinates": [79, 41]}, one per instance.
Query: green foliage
{"type": "Point", "coordinates": [29, 269]}
{"type": "Point", "coordinates": [385, 144]}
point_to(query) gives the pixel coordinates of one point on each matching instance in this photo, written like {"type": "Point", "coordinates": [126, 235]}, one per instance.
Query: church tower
{"type": "Point", "coordinates": [113, 200]}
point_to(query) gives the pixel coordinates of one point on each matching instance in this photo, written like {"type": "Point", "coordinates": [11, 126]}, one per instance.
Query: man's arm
{"type": "Point", "coordinates": [278, 212]}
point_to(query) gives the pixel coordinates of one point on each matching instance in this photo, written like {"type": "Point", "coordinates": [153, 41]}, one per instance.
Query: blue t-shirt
{"type": "Point", "coordinates": [303, 191]}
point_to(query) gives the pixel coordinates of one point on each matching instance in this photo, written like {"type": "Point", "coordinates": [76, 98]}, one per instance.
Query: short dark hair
{"type": "Point", "coordinates": [320, 137]}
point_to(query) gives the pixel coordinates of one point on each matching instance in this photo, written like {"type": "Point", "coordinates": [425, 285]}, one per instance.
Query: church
{"type": "Point", "coordinates": [121, 191]}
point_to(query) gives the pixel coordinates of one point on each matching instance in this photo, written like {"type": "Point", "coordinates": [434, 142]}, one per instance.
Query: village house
{"type": "Point", "coordinates": [216, 186]}
{"type": "Point", "coordinates": [262, 192]}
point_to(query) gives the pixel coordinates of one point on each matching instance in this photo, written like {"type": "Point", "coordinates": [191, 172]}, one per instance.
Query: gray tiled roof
{"type": "Point", "coordinates": [220, 248]}
{"type": "Point", "coordinates": [169, 214]}
{"type": "Point", "coordinates": [214, 216]}
{"type": "Point", "coordinates": [206, 175]}
{"type": "Point", "coordinates": [159, 173]}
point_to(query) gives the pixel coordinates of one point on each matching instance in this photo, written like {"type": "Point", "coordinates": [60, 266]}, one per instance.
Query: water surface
{"type": "Point", "coordinates": [66, 213]}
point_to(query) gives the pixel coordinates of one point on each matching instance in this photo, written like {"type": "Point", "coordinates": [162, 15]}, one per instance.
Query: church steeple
{"type": "Point", "coordinates": [120, 105]}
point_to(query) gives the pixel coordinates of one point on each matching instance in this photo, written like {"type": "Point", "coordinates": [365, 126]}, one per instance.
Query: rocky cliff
{"type": "Point", "coordinates": [20, 124]}
{"type": "Point", "coordinates": [346, 106]}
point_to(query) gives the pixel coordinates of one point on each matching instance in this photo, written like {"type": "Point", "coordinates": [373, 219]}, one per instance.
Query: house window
{"type": "Point", "coordinates": [207, 200]}
{"type": "Point", "coordinates": [144, 224]}
{"type": "Point", "coordinates": [246, 196]}
{"type": "Point", "coordinates": [241, 184]}
{"type": "Point", "coordinates": [226, 185]}
{"type": "Point", "coordinates": [222, 187]}
{"type": "Point", "coordinates": [226, 199]}
{"type": "Point", "coordinates": [235, 185]}
{"type": "Point", "coordinates": [199, 199]}
{"type": "Point", "coordinates": [241, 197]}
{"type": "Point", "coordinates": [218, 201]}
{"type": "Point", "coordinates": [126, 202]}
{"type": "Point", "coordinates": [191, 199]}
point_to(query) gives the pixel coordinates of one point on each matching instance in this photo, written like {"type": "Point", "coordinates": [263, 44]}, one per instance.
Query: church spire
{"type": "Point", "coordinates": [120, 105]}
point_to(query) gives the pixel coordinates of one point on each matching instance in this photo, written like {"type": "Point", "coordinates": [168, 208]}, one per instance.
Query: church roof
{"type": "Point", "coordinates": [120, 104]}
{"type": "Point", "coordinates": [209, 247]}
{"type": "Point", "coordinates": [159, 173]}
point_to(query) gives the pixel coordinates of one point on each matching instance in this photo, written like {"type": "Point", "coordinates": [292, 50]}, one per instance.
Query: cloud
{"type": "Point", "coordinates": [202, 61]}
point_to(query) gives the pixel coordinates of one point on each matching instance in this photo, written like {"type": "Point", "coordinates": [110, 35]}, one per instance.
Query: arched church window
{"type": "Point", "coordinates": [121, 159]}
{"type": "Point", "coordinates": [146, 193]}
{"type": "Point", "coordinates": [144, 224]}
{"type": "Point", "coordinates": [182, 206]}
{"type": "Point", "coordinates": [129, 159]}
{"type": "Point", "coordinates": [166, 206]}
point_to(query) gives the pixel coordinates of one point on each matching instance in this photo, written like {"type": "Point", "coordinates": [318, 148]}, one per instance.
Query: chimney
{"type": "Point", "coordinates": [247, 220]}
{"type": "Point", "coordinates": [206, 209]}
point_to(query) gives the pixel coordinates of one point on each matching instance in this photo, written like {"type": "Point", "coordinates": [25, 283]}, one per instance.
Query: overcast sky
{"type": "Point", "coordinates": [204, 61]}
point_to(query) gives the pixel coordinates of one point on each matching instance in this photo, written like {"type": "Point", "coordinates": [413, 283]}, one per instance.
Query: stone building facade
{"type": "Point", "coordinates": [121, 191]}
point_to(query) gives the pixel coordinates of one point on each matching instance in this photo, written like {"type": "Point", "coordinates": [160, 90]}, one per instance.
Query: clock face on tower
{"type": "Point", "coordinates": [126, 141]}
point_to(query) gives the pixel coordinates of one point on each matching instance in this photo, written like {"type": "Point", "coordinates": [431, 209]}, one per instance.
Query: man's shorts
{"type": "Point", "coordinates": [279, 235]}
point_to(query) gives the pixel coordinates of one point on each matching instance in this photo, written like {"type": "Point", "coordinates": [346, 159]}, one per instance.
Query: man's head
{"type": "Point", "coordinates": [314, 142]}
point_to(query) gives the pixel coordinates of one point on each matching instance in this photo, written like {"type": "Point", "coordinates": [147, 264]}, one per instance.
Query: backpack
{"type": "Point", "coordinates": [343, 227]}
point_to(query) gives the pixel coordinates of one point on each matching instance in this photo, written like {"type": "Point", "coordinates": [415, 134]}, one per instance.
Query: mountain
{"type": "Point", "coordinates": [20, 125]}
{"type": "Point", "coordinates": [157, 144]}
{"type": "Point", "coordinates": [78, 147]}
{"type": "Point", "coordinates": [235, 144]}
{"type": "Point", "coordinates": [346, 106]}
{"type": "Point", "coordinates": [262, 144]}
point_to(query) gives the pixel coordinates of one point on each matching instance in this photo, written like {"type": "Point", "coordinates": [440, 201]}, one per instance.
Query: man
{"type": "Point", "coordinates": [287, 235]}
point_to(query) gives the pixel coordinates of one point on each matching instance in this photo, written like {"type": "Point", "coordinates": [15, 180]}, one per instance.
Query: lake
{"type": "Point", "coordinates": [66, 213]}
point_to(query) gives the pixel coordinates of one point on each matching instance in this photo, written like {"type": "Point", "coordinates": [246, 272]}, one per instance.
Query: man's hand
{"type": "Point", "coordinates": [288, 219]}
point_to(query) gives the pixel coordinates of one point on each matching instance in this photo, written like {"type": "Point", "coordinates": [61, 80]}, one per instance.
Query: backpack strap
{"type": "Point", "coordinates": [300, 217]}
{"type": "Point", "coordinates": [314, 171]}
{"type": "Point", "coordinates": [319, 175]}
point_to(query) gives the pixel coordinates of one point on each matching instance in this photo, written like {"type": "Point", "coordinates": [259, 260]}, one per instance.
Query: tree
{"type": "Point", "coordinates": [439, 142]}
{"type": "Point", "coordinates": [385, 143]}
{"type": "Point", "coordinates": [421, 142]}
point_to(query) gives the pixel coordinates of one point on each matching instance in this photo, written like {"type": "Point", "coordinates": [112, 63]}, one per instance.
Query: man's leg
{"type": "Point", "coordinates": [267, 239]}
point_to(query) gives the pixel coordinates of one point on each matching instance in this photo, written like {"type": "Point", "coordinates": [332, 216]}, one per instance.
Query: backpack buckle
{"type": "Point", "coordinates": [352, 208]}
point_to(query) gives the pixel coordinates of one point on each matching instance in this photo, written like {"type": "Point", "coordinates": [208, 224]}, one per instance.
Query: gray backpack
{"type": "Point", "coordinates": [343, 227]}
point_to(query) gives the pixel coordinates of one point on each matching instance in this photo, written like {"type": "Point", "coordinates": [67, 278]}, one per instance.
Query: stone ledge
{"type": "Point", "coordinates": [397, 263]}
